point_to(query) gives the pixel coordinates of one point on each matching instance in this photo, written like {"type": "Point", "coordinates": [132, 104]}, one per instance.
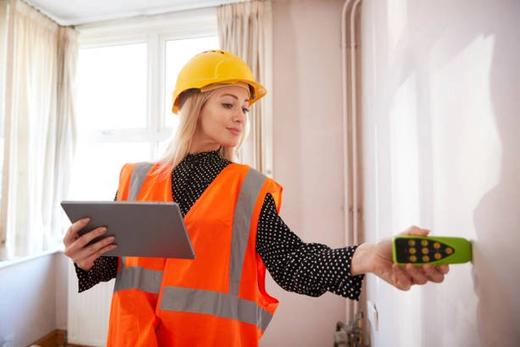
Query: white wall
{"type": "Point", "coordinates": [88, 324]}
{"type": "Point", "coordinates": [441, 102]}
{"type": "Point", "coordinates": [60, 267]}
{"type": "Point", "coordinates": [308, 155]}
{"type": "Point", "coordinates": [32, 299]}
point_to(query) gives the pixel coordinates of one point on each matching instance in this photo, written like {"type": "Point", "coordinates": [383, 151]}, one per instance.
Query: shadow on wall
{"type": "Point", "coordinates": [496, 260]}
{"type": "Point", "coordinates": [497, 217]}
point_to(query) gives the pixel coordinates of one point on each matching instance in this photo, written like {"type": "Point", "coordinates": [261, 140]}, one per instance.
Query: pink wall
{"type": "Point", "coordinates": [308, 155]}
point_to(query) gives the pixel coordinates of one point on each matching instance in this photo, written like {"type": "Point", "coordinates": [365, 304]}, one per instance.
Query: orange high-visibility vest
{"type": "Point", "coordinates": [217, 299]}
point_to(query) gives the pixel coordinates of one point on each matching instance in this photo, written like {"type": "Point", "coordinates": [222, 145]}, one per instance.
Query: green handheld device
{"type": "Point", "coordinates": [435, 250]}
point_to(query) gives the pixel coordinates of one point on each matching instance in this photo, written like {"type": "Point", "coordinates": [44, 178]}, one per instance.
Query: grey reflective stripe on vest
{"type": "Point", "coordinates": [137, 179]}
{"type": "Point", "coordinates": [249, 191]}
{"type": "Point", "coordinates": [214, 303]}
{"type": "Point", "coordinates": [227, 305]}
{"type": "Point", "coordinates": [138, 277]}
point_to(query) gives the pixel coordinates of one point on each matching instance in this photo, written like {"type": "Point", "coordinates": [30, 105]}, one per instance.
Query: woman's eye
{"type": "Point", "coordinates": [228, 106]}
{"type": "Point", "coordinates": [245, 109]}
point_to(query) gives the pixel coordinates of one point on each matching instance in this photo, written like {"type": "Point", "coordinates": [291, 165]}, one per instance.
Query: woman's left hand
{"type": "Point", "coordinates": [377, 259]}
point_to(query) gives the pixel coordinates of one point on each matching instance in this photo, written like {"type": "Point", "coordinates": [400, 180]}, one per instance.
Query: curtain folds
{"type": "Point", "coordinates": [38, 128]}
{"type": "Point", "coordinates": [245, 29]}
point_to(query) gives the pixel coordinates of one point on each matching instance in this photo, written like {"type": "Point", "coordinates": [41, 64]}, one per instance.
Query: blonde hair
{"type": "Point", "coordinates": [191, 106]}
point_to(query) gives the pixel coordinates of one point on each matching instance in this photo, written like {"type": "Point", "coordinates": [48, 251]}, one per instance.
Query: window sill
{"type": "Point", "coordinates": [14, 261]}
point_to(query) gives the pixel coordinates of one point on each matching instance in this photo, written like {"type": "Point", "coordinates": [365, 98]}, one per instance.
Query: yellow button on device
{"type": "Point", "coordinates": [425, 250]}
{"type": "Point", "coordinates": [437, 256]}
{"type": "Point", "coordinates": [436, 245]}
{"type": "Point", "coordinates": [411, 242]}
{"type": "Point", "coordinates": [412, 250]}
{"type": "Point", "coordinates": [448, 250]}
{"type": "Point", "coordinates": [424, 242]}
{"type": "Point", "coordinates": [425, 258]}
{"type": "Point", "coordinates": [413, 258]}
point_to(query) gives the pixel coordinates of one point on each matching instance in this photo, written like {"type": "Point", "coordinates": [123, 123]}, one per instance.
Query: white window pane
{"type": "Point", "coordinates": [112, 87]}
{"type": "Point", "coordinates": [178, 52]}
{"type": "Point", "coordinates": [97, 168]}
{"type": "Point", "coordinates": [163, 145]}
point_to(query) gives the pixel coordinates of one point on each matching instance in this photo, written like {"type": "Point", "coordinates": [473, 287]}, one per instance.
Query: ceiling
{"type": "Point", "coordinates": [75, 12]}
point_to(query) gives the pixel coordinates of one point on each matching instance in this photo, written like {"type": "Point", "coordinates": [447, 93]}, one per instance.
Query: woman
{"type": "Point", "coordinates": [231, 213]}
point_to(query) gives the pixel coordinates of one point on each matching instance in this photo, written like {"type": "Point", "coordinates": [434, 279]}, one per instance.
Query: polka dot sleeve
{"type": "Point", "coordinates": [305, 268]}
{"type": "Point", "coordinates": [104, 269]}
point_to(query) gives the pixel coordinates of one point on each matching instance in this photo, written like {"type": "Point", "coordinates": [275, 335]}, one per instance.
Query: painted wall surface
{"type": "Point", "coordinates": [61, 262]}
{"type": "Point", "coordinates": [32, 299]}
{"type": "Point", "coordinates": [308, 155]}
{"type": "Point", "coordinates": [87, 323]}
{"type": "Point", "coordinates": [441, 150]}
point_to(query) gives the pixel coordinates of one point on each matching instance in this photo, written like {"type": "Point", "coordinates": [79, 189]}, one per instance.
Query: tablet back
{"type": "Point", "coordinates": [143, 229]}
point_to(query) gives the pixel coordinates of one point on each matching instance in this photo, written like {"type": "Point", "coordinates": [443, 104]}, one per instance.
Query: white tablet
{"type": "Point", "coordinates": [141, 229]}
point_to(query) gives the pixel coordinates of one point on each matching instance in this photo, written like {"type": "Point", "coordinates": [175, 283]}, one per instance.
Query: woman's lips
{"type": "Point", "coordinates": [235, 131]}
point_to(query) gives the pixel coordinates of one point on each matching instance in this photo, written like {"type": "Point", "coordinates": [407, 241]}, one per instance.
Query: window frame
{"type": "Point", "coordinates": [155, 31]}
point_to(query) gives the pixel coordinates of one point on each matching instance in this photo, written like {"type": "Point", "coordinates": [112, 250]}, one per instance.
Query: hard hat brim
{"type": "Point", "coordinates": [257, 91]}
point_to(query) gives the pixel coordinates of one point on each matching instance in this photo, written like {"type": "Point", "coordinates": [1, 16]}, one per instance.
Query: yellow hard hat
{"type": "Point", "coordinates": [212, 67]}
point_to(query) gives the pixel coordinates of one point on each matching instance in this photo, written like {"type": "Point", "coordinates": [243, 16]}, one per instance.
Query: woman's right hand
{"type": "Point", "coordinates": [377, 259]}
{"type": "Point", "coordinates": [76, 246]}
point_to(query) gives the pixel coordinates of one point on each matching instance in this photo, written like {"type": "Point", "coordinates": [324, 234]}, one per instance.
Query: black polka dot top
{"type": "Point", "coordinates": [305, 268]}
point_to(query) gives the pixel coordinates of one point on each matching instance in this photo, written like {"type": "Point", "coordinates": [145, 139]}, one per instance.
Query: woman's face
{"type": "Point", "coordinates": [222, 119]}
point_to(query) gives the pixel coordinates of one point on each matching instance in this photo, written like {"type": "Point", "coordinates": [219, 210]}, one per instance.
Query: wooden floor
{"type": "Point", "coordinates": [55, 338]}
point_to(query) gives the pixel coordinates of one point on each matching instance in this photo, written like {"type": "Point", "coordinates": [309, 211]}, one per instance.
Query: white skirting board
{"type": "Point", "coordinates": [88, 312]}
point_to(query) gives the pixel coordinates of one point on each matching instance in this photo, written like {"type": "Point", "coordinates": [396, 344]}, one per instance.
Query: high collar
{"type": "Point", "coordinates": [203, 157]}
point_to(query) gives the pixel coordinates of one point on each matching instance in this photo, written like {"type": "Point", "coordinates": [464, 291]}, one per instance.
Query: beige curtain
{"type": "Point", "coordinates": [39, 135]}
{"type": "Point", "coordinates": [3, 47]}
{"type": "Point", "coordinates": [245, 29]}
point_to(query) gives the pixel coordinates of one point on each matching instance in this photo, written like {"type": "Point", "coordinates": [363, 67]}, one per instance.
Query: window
{"type": "Point", "coordinates": [178, 52]}
{"type": "Point", "coordinates": [124, 106]}
{"type": "Point", "coordinates": [111, 114]}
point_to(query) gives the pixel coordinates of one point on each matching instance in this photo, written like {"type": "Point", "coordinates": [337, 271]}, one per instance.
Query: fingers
{"type": "Point", "coordinates": [84, 255]}
{"type": "Point", "coordinates": [404, 277]}
{"type": "Point", "coordinates": [72, 232]}
{"type": "Point", "coordinates": [436, 273]}
{"type": "Point", "coordinates": [400, 279]}
{"type": "Point", "coordinates": [414, 230]}
{"type": "Point", "coordinates": [433, 274]}
{"type": "Point", "coordinates": [444, 269]}
{"type": "Point", "coordinates": [426, 273]}
{"type": "Point", "coordinates": [392, 274]}
{"type": "Point", "coordinates": [85, 239]}
{"type": "Point", "coordinates": [94, 249]}
{"type": "Point", "coordinates": [417, 274]}
{"type": "Point", "coordinates": [87, 262]}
